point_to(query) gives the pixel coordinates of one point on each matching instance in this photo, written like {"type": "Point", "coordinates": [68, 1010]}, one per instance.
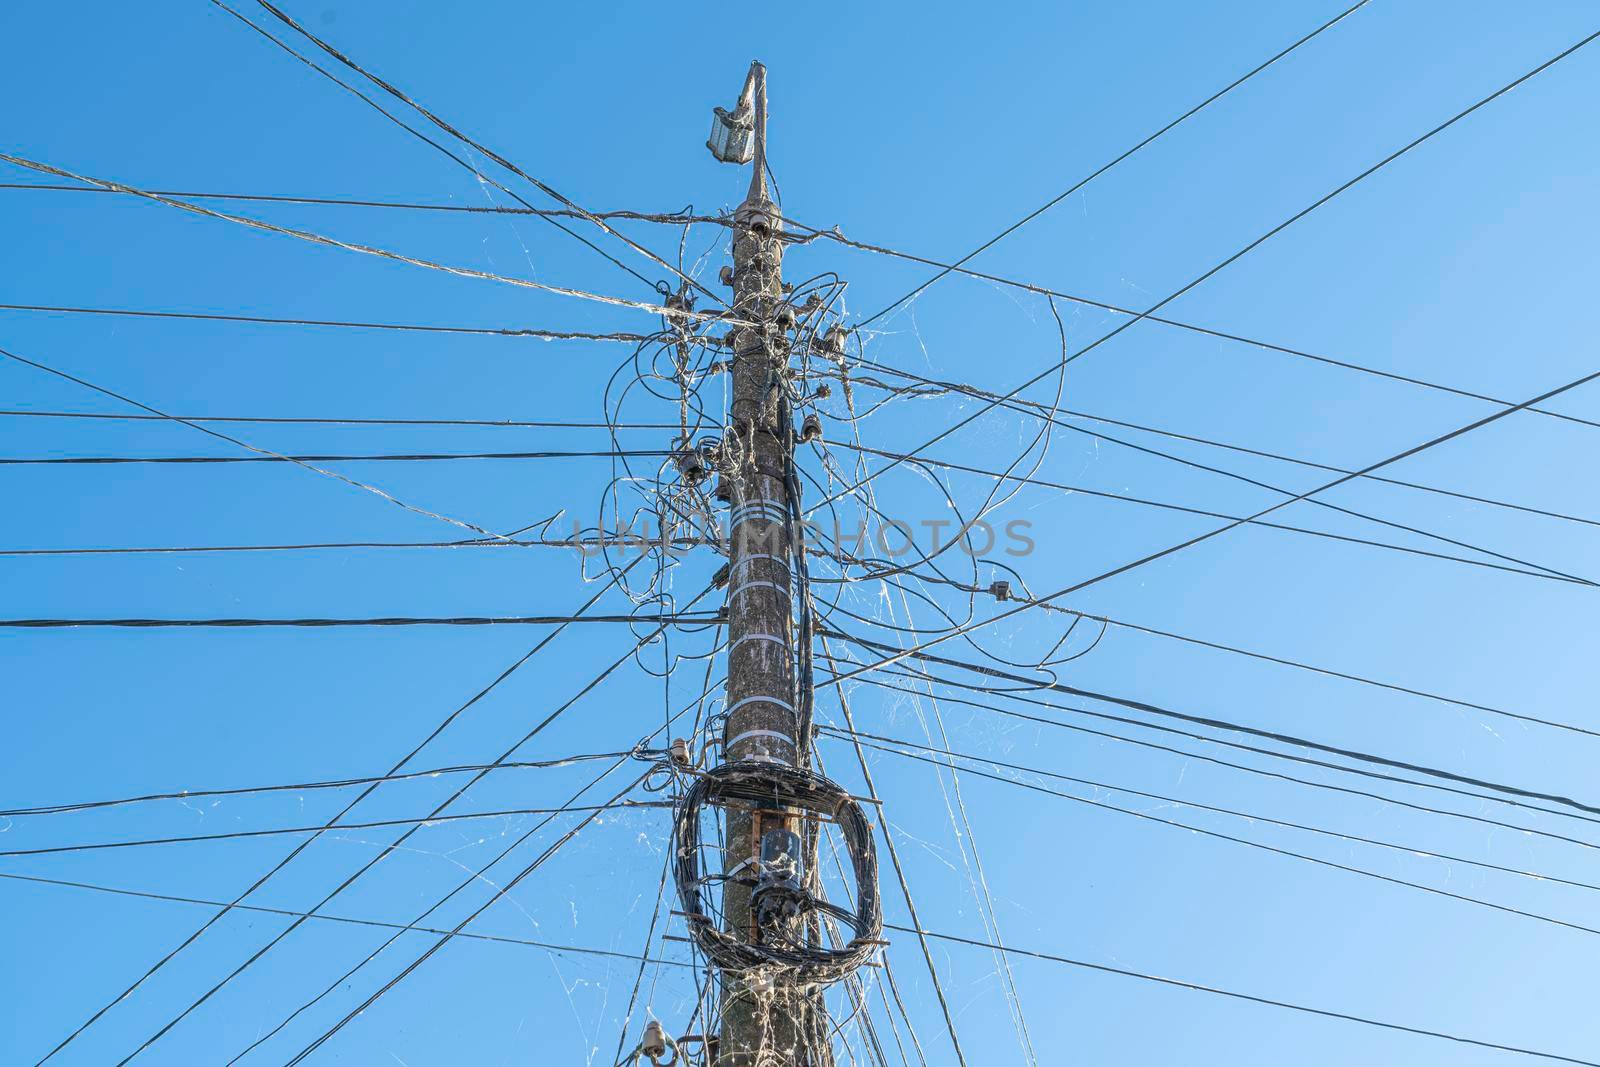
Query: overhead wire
{"type": "Point", "coordinates": [667, 218]}
{"type": "Point", "coordinates": [1326, 1013]}
{"type": "Point", "coordinates": [1195, 110]}
{"type": "Point", "coordinates": [398, 327]}
{"type": "Point", "coordinates": [330, 824]}
{"type": "Point", "coordinates": [239, 835]}
{"type": "Point", "coordinates": [331, 242]}
{"type": "Point", "coordinates": [1262, 239]}
{"type": "Point", "coordinates": [258, 909]}
{"type": "Point", "coordinates": [300, 787]}
{"type": "Point", "coordinates": [1500, 792]}
{"type": "Point", "coordinates": [218, 434]}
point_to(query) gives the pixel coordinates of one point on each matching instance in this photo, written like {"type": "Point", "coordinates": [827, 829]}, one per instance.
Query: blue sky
{"type": "Point", "coordinates": [926, 128]}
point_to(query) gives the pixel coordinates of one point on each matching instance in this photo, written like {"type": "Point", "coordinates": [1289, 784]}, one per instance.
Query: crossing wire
{"type": "Point", "coordinates": [331, 823]}
{"type": "Point", "coordinates": [1511, 795]}
{"type": "Point", "coordinates": [344, 919]}
{"type": "Point", "coordinates": [884, 744]}
{"type": "Point", "coordinates": [1201, 106]}
{"type": "Point", "coordinates": [219, 435]}
{"type": "Point", "coordinates": [668, 218]}
{"type": "Point", "coordinates": [301, 787]}
{"type": "Point", "coordinates": [388, 849]}
{"type": "Point", "coordinates": [1105, 968]}
{"type": "Point", "coordinates": [238, 835]}
{"type": "Point", "coordinates": [400, 327]}
{"type": "Point", "coordinates": [501, 620]}
{"type": "Point", "coordinates": [1256, 243]}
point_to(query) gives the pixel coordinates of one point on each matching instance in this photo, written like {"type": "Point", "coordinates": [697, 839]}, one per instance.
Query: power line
{"type": "Point", "coordinates": [1207, 102]}
{"type": "Point", "coordinates": [411, 457]}
{"type": "Point", "coordinates": [330, 824]}
{"type": "Point", "coordinates": [236, 835]}
{"type": "Point", "coordinates": [1542, 572]}
{"type": "Point", "coordinates": [389, 848]}
{"type": "Point", "coordinates": [447, 128]}
{"type": "Point", "coordinates": [1055, 416]}
{"type": "Point", "coordinates": [889, 742]}
{"type": "Point", "coordinates": [1330, 672]}
{"type": "Point", "coordinates": [1256, 243]}
{"type": "Point", "coordinates": [669, 218]}
{"type": "Point", "coordinates": [1106, 968]}
{"type": "Point", "coordinates": [1172, 549]}
{"type": "Point", "coordinates": [300, 787]}
{"type": "Point", "coordinates": [473, 877]}
{"type": "Point", "coordinates": [336, 476]}
{"type": "Point", "coordinates": [347, 920]}
{"type": "Point", "coordinates": [1019, 403]}
{"type": "Point", "coordinates": [1508, 794]}
{"type": "Point", "coordinates": [547, 335]}
{"type": "Point", "coordinates": [330, 242]}
{"type": "Point", "coordinates": [487, 423]}
{"type": "Point", "coordinates": [499, 892]}
{"type": "Point", "coordinates": [466, 620]}
{"type": "Point", "coordinates": [1041, 290]}
{"type": "Point", "coordinates": [579, 544]}
{"type": "Point", "coordinates": [1482, 820]}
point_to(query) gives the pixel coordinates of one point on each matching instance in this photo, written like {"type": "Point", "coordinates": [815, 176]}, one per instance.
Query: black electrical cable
{"type": "Point", "coordinates": [330, 824]}
{"type": "Point", "coordinates": [486, 423]}
{"type": "Point", "coordinates": [1252, 998]}
{"type": "Point", "coordinates": [473, 878]}
{"type": "Point", "coordinates": [1531, 570]}
{"type": "Point", "coordinates": [1199, 806]}
{"type": "Point", "coordinates": [1172, 549]}
{"type": "Point", "coordinates": [302, 787]}
{"type": "Point", "coordinates": [395, 92]}
{"type": "Point", "coordinates": [500, 891]}
{"type": "Point", "coordinates": [389, 848]}
{"type": "Point", "coordinates": [219, 435]}
{"type": "Point", "coordinates": [505, 620]}
{"type": "Point", "coordinates": [347, 920]}
{"type": "Point", "coordinates": [1041, 290]}
{"type": "Point", "coordinates": [238, 835]}
{"type": "Point", "coordinates": [548, 335]}
{"type": "Point", "coordinates": [1481, 820]}
{"type": "Point", "coordinates": [667, 218]}
{"type": "Point", "coordinates": [1508, 794]}
{"type": "Point", "coordinates": [1053, 201]}
{"type": "Point", "coordinates": [584, 545]}
{"type": "Point", "coordinates": [1097, 435]}
{"type": "Point", "coordinates": [402, 457]}
{"type": "Point", "coordinates": [1256, 243]}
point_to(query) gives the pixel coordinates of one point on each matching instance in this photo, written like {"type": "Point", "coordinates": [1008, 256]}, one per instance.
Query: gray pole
{"type": "Point", "coordinates": [766, 1020]}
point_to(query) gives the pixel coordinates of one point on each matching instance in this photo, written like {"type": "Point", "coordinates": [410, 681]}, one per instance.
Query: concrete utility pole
{"type": "Point", "coordinates": [766, 1021]}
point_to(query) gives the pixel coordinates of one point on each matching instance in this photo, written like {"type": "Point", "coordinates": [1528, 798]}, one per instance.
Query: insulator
{"type": "Point", "coordinates": [833, 340]}
{"type": "Point", "coordinates": [692, 466]}
{"type": "Point", "coordinates": [823, 391]}
{"type": "Point", "coordinates": [785, 317]}
{"type": "Point", "coordinates": [654, 1043]}
{"type": "Point", "coordinates": [727, 275]}
{"type": "Point", "coordinates": [811, 428]}
{"type": "Point", "coordinates": [681, 751]}
{"type": "Point", "coordinates": [1001, 590]}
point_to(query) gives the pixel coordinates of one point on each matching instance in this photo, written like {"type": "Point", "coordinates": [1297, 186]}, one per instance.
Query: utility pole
{"type": "Point", "coordinates": [766, 1019]}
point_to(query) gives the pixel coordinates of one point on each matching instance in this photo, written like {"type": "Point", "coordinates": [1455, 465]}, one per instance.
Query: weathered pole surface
{"type": "Point", "coordinates": [764, 1018]}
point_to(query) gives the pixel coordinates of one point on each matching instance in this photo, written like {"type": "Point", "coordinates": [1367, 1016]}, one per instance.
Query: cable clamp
{"type": "Point", "coordinates": [771, 638]}
{"type": "Point", "coordinates": [784, 704]}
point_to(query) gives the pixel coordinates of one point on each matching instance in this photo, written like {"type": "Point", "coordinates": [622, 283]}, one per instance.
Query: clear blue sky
{"type": "Point", "coordinates": [922, 127]}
